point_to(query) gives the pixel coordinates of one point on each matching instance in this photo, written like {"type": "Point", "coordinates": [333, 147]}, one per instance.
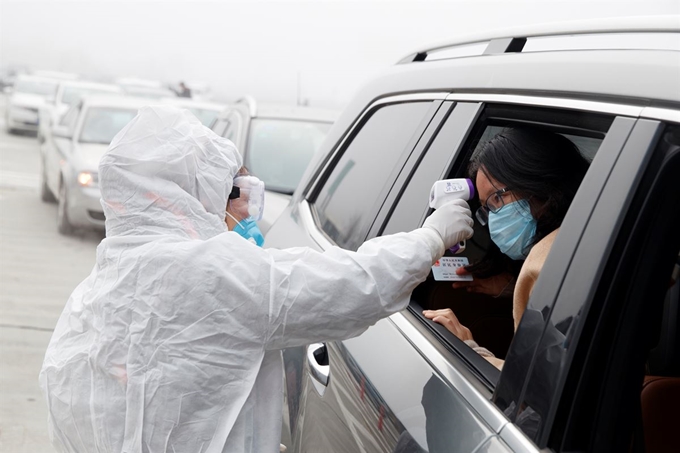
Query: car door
{"type": "Point", "coordinates": [379, 386]}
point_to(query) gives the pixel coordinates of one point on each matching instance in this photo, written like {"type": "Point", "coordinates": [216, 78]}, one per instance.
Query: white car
{"type": "Point", "coordinates": [70, 157]}
{"type": "Point", "coordinates": [206, 112]}
{"type": "Point", "coordinates": [68, 93]}
{"type": "Point", "coordinates": [26, 98]}
{"type": "Point", "coordinates": [277, 143]}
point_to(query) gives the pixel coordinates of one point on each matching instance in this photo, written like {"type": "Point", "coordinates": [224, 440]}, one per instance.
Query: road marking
{"type": "Point", "coordinates": [16, 180]}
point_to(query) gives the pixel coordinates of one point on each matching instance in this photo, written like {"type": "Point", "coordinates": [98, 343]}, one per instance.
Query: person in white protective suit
{"type": "Point", "coordinates": [172, 344]}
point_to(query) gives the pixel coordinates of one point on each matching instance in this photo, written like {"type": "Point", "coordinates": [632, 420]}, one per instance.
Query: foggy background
{"type": "Point", "coordinates": [263, 48]}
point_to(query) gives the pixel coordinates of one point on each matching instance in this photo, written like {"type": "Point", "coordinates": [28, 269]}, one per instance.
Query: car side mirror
{"type": "Point", "coordinates": [61, 131]}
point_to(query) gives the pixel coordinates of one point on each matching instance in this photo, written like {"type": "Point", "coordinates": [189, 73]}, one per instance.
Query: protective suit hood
{"type": "Point", "coordinates": [166, 173]}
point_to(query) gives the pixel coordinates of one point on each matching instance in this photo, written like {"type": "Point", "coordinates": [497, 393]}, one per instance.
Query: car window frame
{"type": "Point", "coordinates": [457, 161]}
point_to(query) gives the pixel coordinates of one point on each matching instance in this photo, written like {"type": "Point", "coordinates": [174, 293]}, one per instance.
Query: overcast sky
{"type": "Point", "coordinates": [263, 47]}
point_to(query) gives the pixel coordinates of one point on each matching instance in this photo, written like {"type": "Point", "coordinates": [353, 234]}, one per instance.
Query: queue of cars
{"type": "Point", "coordinates": [79, 121]}
{"type": "Point", "coordinates": [594, 365]}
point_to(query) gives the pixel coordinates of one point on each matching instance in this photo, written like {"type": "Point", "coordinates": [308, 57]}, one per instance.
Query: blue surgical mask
{"type": "Point", "coordinates": [513, 228]}
{"type": "Point", "coordinates": [248, 229]}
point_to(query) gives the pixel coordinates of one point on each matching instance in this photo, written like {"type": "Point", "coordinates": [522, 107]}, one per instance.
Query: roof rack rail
{"type": "Point", "coordinates": [514, 40]}
{"type": "Point", "coordinates": [250, 102]}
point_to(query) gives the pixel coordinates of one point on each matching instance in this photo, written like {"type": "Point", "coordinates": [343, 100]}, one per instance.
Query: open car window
{"type": "Point", "coordinates": [489, 317]}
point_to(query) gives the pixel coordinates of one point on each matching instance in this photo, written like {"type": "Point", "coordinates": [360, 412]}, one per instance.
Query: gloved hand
{"type": "Point", "coordinates": [453, 222]}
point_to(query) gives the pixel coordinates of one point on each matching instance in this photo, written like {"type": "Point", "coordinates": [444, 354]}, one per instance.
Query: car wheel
{"type": "Point", "coordinates": [46, 194]}
{"type": "Point", "coordinates": [63, 224]}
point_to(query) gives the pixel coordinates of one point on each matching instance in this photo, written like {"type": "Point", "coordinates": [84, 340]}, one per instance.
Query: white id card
{"type": "Point", "coordinates": [445, 269]}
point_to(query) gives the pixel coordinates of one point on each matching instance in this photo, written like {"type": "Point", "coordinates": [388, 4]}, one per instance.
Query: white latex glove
{"type": "Point", "coordinates": [453, 222]}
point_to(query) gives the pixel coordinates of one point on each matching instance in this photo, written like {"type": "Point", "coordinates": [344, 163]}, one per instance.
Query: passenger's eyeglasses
{"type": "Point", "coordinates": [493, 203]}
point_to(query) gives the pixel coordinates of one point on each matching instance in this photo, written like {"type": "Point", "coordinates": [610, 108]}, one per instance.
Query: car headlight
{"type": "Point", "coordinates": [87, 179]}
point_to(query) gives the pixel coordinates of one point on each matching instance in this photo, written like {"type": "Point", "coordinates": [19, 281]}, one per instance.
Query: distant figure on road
{"type": "Point", "coordinates": [184, 91]}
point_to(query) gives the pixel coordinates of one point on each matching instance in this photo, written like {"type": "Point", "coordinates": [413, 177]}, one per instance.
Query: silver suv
{"type": "Point", "coordinates": [595, 362]}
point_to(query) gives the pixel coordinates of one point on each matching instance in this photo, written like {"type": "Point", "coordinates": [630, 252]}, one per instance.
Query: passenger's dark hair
{"type": "Point", "coordinates": [542, 167]}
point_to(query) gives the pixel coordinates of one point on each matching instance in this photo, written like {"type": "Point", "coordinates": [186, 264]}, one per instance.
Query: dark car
{"type": "Point", "coordinates": [594, 365]}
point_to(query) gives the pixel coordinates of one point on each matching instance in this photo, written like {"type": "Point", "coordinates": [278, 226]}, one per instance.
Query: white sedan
{"type": "Point", "coordinates": [70, 158]}
{"type": "Point", "coordinates": [68, 93]}
{"type": "Point", "coordinates": [29, 95]}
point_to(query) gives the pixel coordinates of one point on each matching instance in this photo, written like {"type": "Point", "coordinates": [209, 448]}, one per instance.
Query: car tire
{"type": "Point", "coordinates": [63, 224]}
{"type": "Point", "coordinates": [46, 194]}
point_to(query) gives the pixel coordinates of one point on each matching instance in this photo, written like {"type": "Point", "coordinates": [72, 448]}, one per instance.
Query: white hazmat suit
{"type": "Point", "coordinates": [172, 344]}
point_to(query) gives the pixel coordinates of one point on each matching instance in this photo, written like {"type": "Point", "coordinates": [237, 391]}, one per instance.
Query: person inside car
{"type": "Point", "coordinates": [526, 179]}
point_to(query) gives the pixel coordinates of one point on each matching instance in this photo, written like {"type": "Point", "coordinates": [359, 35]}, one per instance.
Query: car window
{"type": "Point", "coordinates": [354, 190]}
{"type": "Point", "coordinates": [103, 123]}
{"type": "Point", "coordinates": [488, 316]}
{"type": "Point", "coordinates": [69, 118]}
{"type": "Point", "coordinates": [409, 212]}
{"type": "Point", "coordinates": [278, 150]}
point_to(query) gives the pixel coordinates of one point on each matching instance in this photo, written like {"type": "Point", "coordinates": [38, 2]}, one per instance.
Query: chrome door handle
{"type": "Point", "coordinates": [317, 358]}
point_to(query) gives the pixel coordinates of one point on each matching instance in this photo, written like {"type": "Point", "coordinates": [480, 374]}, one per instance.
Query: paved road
{"type": "Point", "coordinates": [38, 270]}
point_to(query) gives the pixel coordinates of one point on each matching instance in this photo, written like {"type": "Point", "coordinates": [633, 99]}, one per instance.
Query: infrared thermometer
{"type": "Point", "coordinates": [446, 190]}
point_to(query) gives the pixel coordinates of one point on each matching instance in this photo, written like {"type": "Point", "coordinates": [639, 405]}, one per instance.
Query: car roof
{"type": "Point", "coordinates": [106, 100]}
{"type": "Point", "coordinates": [88, 84]}
{"type": "Point", "coordinates": [292, 112]}
{"type": "Point", "coordinates": [614, 25]}
{"type": "Point", "coordinates": [642, 76]}
{"type": "Point", "coordinates": [36, 78]}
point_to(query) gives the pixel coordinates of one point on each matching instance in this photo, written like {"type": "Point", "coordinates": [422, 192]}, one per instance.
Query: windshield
{"type": "Point", "coordinates": [280, 150]}
{"type": "Point", "coordinates": [71, 95]}
{"type": "Point", "coordinates": [205, 116]}
{"type": "Point", "coordinates": [103, 123]}
{"type": "Point", "coordinates": [41, 88]}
